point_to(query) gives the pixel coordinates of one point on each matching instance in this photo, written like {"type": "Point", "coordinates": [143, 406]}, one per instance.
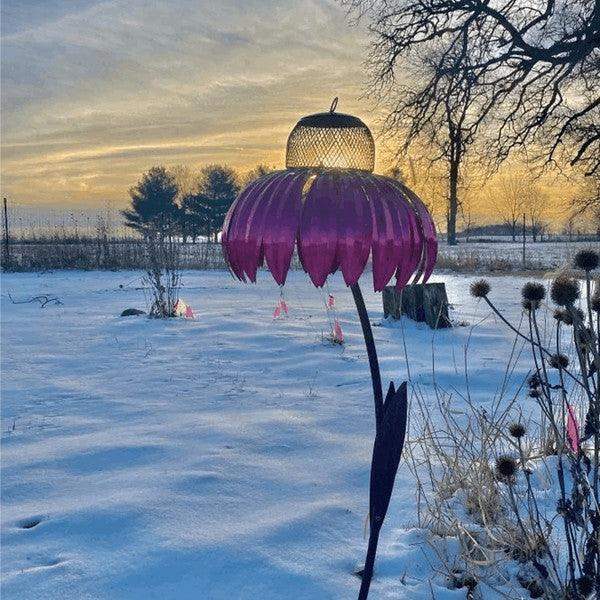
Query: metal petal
{"type": "Point", "coordinates": [245, 232]}
{"type": "Point", "coordinates": [412, 244]}
{"type": "Point", "coordinates": [429, 233]}
{"type": "Point", "coordinates": [228, 243]}
{"type": "Point", "coordinates": [233, 231]}
{"type": "Point", "coordinates": [280, 227]}
{"type": "Point", "coordinates": [427, 230]}
{"type": "Point", "coordinates": [257, 221]}
{"type": "Point", "coordinates": [354, 228]}
{"type": "Point", "coordinates": [317, 237]}
{"type": "Point", "coordinates": [404, 221]}
{"type": "Point", "coordinates": [386, 237]}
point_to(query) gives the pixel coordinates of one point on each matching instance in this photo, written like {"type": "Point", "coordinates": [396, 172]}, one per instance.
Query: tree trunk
{"type": "Point", "coordinates": [452, 203]}
{"type": "Point", "coordinates": [534, 230]}
{"type": "Point", "coordinates": [426, 302]}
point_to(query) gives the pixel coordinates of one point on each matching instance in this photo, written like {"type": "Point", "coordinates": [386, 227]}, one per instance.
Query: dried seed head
{"type": "Point", "coordinates": [530, 304]}
{"type": "Point", "coordinates": [535, 393]}
{"type": "Point", "coordinates": [560, 314]}
{"type": "Point", "coordinates": [534, 381]}
{"type": "Point", "coordinates": [480, 288]}
{"type": "Point", "coordinates": [535, 292]}
{"type": "Point", "coordinates": [517, 430]}
{"type": "Point", "coordinates": [587, 260]}
{"type": "Point", "coordinates": [559, 361]}
{"type": "Point", "coordinates": [564, 290]}
{"type": "Point", "coordinates": [506, 466]}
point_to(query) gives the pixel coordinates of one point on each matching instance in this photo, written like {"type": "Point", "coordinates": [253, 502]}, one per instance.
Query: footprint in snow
{"type": "Point", "coordinates": [43, 564]}
{"type": "Point", "coordinates": [30, 523]}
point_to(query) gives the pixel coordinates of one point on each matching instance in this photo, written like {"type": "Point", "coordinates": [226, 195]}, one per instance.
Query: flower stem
{"type": "Point", "coordinates": [367, 573]}
{"type": "Point", "coordinates": [374, 528]}
{"type": "Point", "coordinates": [363, 315]}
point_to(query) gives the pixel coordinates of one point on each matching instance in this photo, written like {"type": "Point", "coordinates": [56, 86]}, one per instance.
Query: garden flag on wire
{"type": "Point", "coordinates": [281, 309]}
{"type": "Point", "coordinates": [181, 309]}
{"type": "Point", "coordinates": [572, 429]}
{"type": "Point", "coordinates": [338, 334]}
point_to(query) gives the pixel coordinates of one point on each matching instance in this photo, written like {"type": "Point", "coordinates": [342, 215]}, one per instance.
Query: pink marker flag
{"type": "Point", "coordinates": [338, 334]}
{"type": "Point", "coordinates": [181, 309]}
{"type": "Point", "coordinates": [572, 429]}
{"type": "Point", "coordinates": [280, 309]}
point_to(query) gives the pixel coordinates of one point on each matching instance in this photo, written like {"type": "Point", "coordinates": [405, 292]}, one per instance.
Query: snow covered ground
{"type": "Point", "coordinates": [507, 255]}
{"type": "Point", "coordinates": [221, 458]}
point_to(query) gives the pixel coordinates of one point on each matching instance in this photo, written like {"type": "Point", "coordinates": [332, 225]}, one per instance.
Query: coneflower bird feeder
{"type": "Point", "coordinates": [329, 207]}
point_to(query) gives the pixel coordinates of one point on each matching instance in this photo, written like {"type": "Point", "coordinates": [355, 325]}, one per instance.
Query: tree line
{"type": "Point", "coordinates": [180, 203]}
{"type": "Point", "coordinates": [190, 205]}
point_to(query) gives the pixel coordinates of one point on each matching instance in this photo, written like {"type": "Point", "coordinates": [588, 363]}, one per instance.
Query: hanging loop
{"type": "Point", "coordinates": [333, 105]}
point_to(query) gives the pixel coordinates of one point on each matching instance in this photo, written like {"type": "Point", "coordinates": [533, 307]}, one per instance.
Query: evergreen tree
{"type": "Point", "coordinates": [217, 191]}
{"type": "Point", "coordinates": [195, 216]}
{"type": "Point", "coordinates": [153, 208]}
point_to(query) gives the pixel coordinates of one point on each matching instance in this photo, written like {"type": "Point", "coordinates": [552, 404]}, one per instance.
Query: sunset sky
{"type": "Point", "coordinates": [95, 92]}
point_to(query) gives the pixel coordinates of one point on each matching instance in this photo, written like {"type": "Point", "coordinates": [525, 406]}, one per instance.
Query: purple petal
{"type": "Point", "coordinates": [431, 243]}
{"type": "Point", "coordinates": [232, 237]}
{"type": "Point", "coordinates": [412, 245]}
{"type": "Point", "coordinates": [354, 229]}
{"type": "Point", "coordinates": [427, 228]}
{"type": "Point", "coordinates": [243, 241]}
{"type": "Point", "coordinates": [317, 237]}
{"type": "Point", "coordinates": [256, 220]}
{"type": "Point", "coordinates": [387, 235]}
{"type": "Point", "coordinates": [404, 221]}
{"type": "Point", "coordinates": [280, 228]}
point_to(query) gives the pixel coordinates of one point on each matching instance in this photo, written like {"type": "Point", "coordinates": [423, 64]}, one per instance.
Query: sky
{"type": "Point", "coordinates": [96, 92]}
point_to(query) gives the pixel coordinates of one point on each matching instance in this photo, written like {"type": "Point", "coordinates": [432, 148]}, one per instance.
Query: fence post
{"type": "Point", "coordinates": [6, 237]}
{"type": "Point", "coordinates": [524, 232]}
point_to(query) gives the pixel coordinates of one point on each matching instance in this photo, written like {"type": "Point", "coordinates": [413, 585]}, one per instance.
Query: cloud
{"type": "Point", "coordinates": [102, 91]}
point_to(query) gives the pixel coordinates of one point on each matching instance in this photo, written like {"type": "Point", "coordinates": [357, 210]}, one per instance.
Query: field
{"type": "Point", "coordinates": [221, 457]}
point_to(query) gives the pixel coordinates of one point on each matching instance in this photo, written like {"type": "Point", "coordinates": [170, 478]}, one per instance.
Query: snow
{"type": "Point", "coordinates": [221, 457]}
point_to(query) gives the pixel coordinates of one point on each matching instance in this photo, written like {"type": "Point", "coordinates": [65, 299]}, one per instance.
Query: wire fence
{"type": "Point", "coordinates": [35, 224]}
{"type": "Point", "coordinates": [40, 239]}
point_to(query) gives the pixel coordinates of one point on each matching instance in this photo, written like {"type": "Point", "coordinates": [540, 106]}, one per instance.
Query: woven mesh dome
{"type": "Point", "coordinates": [330, 140]}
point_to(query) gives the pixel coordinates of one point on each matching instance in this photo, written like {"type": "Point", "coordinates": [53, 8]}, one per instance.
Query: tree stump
{"type": "Point", "coordinates": [420, 302]}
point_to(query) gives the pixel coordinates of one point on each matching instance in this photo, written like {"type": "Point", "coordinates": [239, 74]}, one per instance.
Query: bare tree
{"type": "Point", "coordinates": [539, 61]}
{"type": "Point", "coordinates": [442, 121]}
{"type": "Point", "coordinates": [587, 202]}
{"type": "Point", "coordinates": [156, 216]}
{"type": "Point", "coordinates": [510, 193]}
{"type": "Point", "coordinates": [536, 203]}
{"type": "Point", "coordinates": [467, 211]}
{"type": "Point", "coordinates": [428, 180]}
